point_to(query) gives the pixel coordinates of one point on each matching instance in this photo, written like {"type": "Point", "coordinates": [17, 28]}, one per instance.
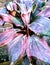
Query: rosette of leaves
{"type": "Point", "coordinates": [26, 35]}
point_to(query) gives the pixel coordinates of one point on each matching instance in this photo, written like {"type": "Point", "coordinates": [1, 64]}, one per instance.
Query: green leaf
{"type": "Point", "coordinates": [47, 33]}
{"type": "Point", "coordinates": [17, 21]}
{"type": "Point", "coordinates": [34, 7]}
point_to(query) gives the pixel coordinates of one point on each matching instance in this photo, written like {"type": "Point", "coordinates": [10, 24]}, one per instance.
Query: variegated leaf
{"type": "Point", "coordinates": [11, 6]}
{"type": "Point", "coordinates": [38, 48]}
{"type": "Point", "coordinates": [5, 17]}
{"type": "Point", "coordinates": [25, 9]}
{"type": "Point", "coordinates": [7, 36]}
{"type": "Point", "coordinates": [40, 25]}
{"type": "Point", "coordinates": [11, 19]}
{"type": "Point", "coordinates": [16, 48]}
{"type": "Point", "coordinates": [17, 21]}
{"type": "Point", "coordinates": [45, 12]}
{"type": "Point", "coordinates": [1, 22]}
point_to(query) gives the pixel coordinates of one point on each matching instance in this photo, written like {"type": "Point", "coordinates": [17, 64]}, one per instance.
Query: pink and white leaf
{"type": "Point", "coordinates": [7, 36]}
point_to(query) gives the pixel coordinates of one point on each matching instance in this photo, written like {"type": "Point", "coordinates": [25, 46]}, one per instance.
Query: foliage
{"type": "Point", "coordinates": [3, 54]}
{"type": "Point", "coordinates": [26, 35]}
{"type": "Point", "coordinates": [5, 63]}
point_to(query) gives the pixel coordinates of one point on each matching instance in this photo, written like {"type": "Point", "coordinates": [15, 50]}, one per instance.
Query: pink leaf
{"type": "Point", "coordinates": [10, 19]}
{"type": "Point", "coordinates": [5, 17]}
{"type": "Point", "coordinates": [7, 36]}
{"type": "Point", "coordinates": [26, 18]}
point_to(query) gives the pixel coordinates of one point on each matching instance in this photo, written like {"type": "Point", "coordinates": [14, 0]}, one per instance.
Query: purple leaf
{"type": "Point", "coordinates": [45, 12]}
{"type": "Point", "coordinates": [37, 47]}
{"type": "Point", "coordinates": [3, 10]}
{"type": "Point", "coordinates": [16, 48]}
{"type": "Point", "coordinates": [40, 25]}
{"type": "Point", "coordinates": [25, 9]}
{"type": "Point", "coordinates": [1, 22]}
